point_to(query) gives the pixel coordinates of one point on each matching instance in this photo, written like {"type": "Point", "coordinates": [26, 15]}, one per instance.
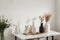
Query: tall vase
{"type": "Point", "coordinates": [2, 35]}
{"type": "Point", "coordinates": [47, 27]}
{"type": "Point", "coordinates": [17, 30]}
{"type": "Point", "coordinates": [32, 28]}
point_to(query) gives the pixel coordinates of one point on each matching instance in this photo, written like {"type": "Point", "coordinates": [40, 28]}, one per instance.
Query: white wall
{"type": "Point", "coordinates": [22, 10]}
{"type": "Point", "coordinates": [58, 17]}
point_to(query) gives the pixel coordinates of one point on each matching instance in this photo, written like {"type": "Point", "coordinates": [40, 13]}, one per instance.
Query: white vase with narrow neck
{"type": "Point", "coordinates": [17, 30]}
{"type": "Point", "coordinates": [47, 27]}
{"type": "Point", "coordinates": [33, 28]}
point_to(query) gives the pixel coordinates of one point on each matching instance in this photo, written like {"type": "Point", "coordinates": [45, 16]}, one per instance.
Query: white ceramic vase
{"type": "Point", "coordinates": [26, 29]}
{"type": "Point", "coordinates": [17, 30]}
{"type": "Point", "coordinates": [33, 28]}
{"type": "Point", "coordinates": [47, 27]}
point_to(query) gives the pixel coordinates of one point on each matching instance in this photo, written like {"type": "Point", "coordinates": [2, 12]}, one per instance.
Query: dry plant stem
{"type": "Point", "coordinates": [48, 16]}
{"type": "Point", "coordinates": [2, 35]}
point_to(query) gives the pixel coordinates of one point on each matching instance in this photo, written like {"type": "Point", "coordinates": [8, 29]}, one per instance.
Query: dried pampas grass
{"type": "Point", "coordinates": [48, 16]}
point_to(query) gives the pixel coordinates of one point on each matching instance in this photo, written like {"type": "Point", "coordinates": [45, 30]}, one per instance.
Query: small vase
{"type": "Point", "coordinates": [47, 27]}
{"type": "Point", "coordinates": [41, 28]}
{"type": "Point", "coordinates": [32, 28]}
{"type": "Point", "coordinates": [26, 29]}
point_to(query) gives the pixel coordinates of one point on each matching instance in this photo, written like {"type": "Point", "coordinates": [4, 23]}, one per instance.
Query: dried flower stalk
{"type": "Point", "coordinates": [48, 16]}
{"type": "Point", "coordinates": [42, 18]}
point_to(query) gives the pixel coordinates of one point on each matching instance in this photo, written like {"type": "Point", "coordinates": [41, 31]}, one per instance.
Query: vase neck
{"type": "Point", "coordinates": [41, 24]}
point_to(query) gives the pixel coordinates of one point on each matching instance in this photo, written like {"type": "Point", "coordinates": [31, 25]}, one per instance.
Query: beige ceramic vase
{"type": "Point", "coordinates": [26, 29]}
{"type": "Point", "coordinates": [32, 28]}
{"type": "Point", "coordinates": [47, 27]}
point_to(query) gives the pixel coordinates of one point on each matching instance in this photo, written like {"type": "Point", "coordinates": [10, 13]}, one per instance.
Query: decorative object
{"type": "Point", "coordinates": [47, 27]}
{"type": "Point", "coordinates": [17, 28]}
{"type": "Point", "coordinates": [41, 28]}
{"type": "Point", "coordinates": [32, 29]}
{"type": "Point", "coordinates": [26, 29]}
{"type": "Point", "coordinates": [4, 23]}
{"type": "Point", "coordinates": [47, 18]}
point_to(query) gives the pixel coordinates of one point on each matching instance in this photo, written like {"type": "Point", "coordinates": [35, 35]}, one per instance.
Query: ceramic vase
{"type": "Point", "coordinates": [41, 28]}
{"type": "Point", "coordinates": [26, 29]}
{"type": "Point", "coordinates": [17, 30]}
{"type": "Point", "coordinates": [47, 27]}
{"type": "Point", "coordinates": [32, 28]}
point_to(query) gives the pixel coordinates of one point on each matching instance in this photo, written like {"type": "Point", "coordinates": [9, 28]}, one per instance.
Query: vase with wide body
{"type": "Point", "coordinates": [47, 27]}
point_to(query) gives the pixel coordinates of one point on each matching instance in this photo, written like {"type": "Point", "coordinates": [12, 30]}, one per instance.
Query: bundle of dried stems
{"type": "Point", "coordinates": [48, 16]}
{"type": "Point", "coordinates": [42, 18]}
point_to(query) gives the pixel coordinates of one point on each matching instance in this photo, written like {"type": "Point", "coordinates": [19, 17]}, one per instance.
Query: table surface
{"type": "Point", "coordinates": [41, 35]}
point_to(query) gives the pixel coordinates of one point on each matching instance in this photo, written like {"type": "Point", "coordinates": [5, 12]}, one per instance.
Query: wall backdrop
{"type": "Point", "coordinates": [22, 10]}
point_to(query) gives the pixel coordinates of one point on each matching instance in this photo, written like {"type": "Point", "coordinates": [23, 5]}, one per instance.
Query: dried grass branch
{"type": "Point", "coordinates": [48, 16]}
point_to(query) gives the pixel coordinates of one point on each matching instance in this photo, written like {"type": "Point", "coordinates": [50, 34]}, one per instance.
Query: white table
{"type": "Point", "coordinates": [42, 35]}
